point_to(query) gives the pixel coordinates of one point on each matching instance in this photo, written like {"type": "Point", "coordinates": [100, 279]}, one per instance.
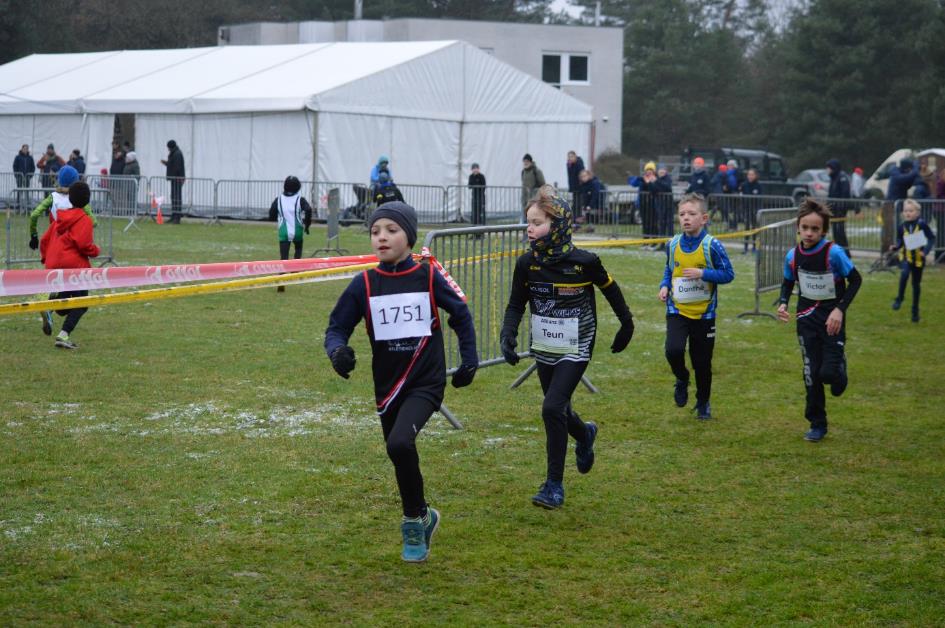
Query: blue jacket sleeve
{"type": "Point", "coordinates": [347, 314]}
{"type": "Point", "coordinates": [667, 273]}
{"type": "Point", "coordinates": [722, 271]}
{"type": "Point", "coordinates": [460, 320]}
{"type": "Point", "coordinates": [635, 181]}
{"type": "Point", "coordinates": [841, 261]}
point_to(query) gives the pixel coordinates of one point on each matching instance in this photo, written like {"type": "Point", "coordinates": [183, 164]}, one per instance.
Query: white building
{"type": "Point", "coordinates": [583, 61]}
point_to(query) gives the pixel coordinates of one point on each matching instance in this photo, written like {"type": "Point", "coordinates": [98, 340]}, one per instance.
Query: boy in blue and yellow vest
{"type": "Point", "coordinates": [914, 239]}
{"type": "Point", "coordinates": [827, 283]}
{"type": "Point", "coordinates": [695, 264]}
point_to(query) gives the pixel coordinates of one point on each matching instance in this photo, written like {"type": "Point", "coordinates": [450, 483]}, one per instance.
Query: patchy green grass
{"type": "Point", "coordinates": [197, 461]}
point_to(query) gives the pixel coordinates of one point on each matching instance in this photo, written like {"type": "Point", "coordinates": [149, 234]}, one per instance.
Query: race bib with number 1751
{"type": "Point", "coordinates": [404, 315]}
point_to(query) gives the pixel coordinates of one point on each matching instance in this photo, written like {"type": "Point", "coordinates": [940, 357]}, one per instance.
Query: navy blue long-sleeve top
{"type": "Point", "coordinates": [350, 308]}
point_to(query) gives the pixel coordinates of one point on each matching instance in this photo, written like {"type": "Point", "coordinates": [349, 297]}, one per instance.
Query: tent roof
{"type": "Point", "coordinates": [439, 79]}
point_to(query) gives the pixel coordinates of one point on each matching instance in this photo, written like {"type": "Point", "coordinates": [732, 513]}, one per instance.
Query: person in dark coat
{"type": "Point", "coordinates": [838, 194]}
{"type": "Point", "coordinates": [575, 166]}
{"type": "Point", "coordinates": [77, 161]}
{"type": "Point", "coordinates": [751, 189]}
{"type": "Point", "coordinates": [118, 159]}
{"type": "Point", "coordinates": [23, 169]}
{"type": "Point", "coordinates": [175, 173]}
{"type": "Point", "coordinates": [477, 185]}
{"type": "Point", "coordinates": [699, 179]}
{"type": "Point", "coordinates": [901, 179]}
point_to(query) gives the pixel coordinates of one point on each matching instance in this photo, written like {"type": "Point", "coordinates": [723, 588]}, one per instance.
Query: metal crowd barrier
{"type": "Point", "coordinates": [778, 236]}
{"type": "Point", "coordinates": [486, 205]}
{"type": "Point", "coordinates": [251, 199]}
{"type": "Point", "coordinates": [481, 260]}
{"type": "Point", "coordinates": [197, 196]}
{"type": "Point", "coordinates": [17, 232]}
{"type": "Point", "coordinates": [124, 193]}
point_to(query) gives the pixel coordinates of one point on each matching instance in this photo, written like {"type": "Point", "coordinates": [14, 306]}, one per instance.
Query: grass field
{"type": "Point", "coordinates": [197, 461]}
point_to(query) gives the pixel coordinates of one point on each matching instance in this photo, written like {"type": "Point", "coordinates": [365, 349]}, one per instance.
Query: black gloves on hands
{"type": "Point", "coordinates": [34, 242]}
{"type": "Point", "coordinates": [343, 361]}
{"type": "Point", "coordinates": [463, 376]}
{"type": "Point", "coordinates": [622, 339]}
{"type": "Point", "coordinates": [508, 344]}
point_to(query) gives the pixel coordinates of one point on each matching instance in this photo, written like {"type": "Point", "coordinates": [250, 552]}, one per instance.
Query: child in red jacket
{"type": "Point", "coordinates": [68, 243]}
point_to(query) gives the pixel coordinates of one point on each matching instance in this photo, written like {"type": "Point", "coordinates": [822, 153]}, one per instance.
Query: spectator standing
{"type": "Point", "coordinates": [653, 192]}
{"type": "Point", "coordinates": [857, 183]}
{"type": "Point", "coordinates": [839, 193]}
{"type": "Point", "coordinates": [532, 179]}
{"type": "Point", "coordinates": [477, 185]}
{"type": "Point", "coordinates": [575, 166]}
{"type": "Point", "coordinates": [175, 173]}
{"type": "Point", "coordinates": [939, 207]}
{"type": "Point", "coordinates": [118, 159]}
{"type": "Point", "coordinates": [23, 169]}
{"type": "Point", "coordinates": [77, 161]}
{"type": "Point", "coordinates": [590, 195]}
{"type": "Point", "coordinates": [699, 179]}
{"type": "Point", "coordinates": [751, 189]}
{"type": "Point", "coordinates": [664, 202]}
{"type": "Point", "coordinates": [901, 179]}
{"type": "Point", "coordinates": [124, 188]}
{"type": "Point", "coordinates": [49, 164]}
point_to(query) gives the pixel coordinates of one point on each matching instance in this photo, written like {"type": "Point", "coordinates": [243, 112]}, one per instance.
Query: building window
{"type": "Point", "coordinates": [565, 69]}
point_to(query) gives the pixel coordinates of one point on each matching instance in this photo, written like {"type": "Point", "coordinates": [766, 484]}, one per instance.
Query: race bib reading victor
{"type": "Point", "coordinates": [405, 315]}
{"type": "Point", "coordinates": [816, 286]}
{"type": "Point", "coordinates": [690, 290]}
{"type": "Point", "coordinates": [915, 240]}
{"type": "Point", "coordinates": [554, 335]}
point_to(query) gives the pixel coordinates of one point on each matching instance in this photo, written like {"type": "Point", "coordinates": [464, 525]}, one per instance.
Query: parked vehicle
{"type": "Point", "coordinates": [813, 182]}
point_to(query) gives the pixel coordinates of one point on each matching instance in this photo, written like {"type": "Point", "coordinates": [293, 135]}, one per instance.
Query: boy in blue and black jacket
{"type": "Point", "coordinates": [914, 241]}
{"type": "Point", "coordinates": [696, 263]}
{"type": "Point", "coordinates": [827, 283]}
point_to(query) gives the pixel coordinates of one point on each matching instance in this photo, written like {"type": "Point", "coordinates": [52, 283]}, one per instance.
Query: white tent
{"type": "Point", "coordinates": [323, 111]}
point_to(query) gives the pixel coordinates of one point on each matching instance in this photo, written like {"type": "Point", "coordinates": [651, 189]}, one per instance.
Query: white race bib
{"type": "Point", "coordinates": [554, 335]}
{"type": "Point", "coordinates": [405, 315]}
{"type": "Point", "coordinates": [915, 240]}
{"type": "Point", "coordinates": [690, 290]}
{"type": "Point", "coordinates": [816, 286]}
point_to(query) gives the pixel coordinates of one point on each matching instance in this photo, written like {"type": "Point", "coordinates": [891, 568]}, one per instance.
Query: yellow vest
{"type": "Point", "coordinates": [700, 258]}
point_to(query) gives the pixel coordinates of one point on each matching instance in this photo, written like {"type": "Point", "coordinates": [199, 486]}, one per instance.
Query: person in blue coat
{"type": "Point", "coordinates": [901, 179]}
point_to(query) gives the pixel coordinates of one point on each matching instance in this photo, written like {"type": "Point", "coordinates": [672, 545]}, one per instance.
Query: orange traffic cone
{"type": "Point", "coordinates": [159, 219]}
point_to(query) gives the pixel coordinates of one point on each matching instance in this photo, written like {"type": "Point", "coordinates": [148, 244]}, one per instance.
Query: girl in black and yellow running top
{"type": "Point", "coordinates": [827, 283]}
{"type": "Point", "coordinates": [399, 302]}
{"type": "Point", "coordinates": [557, 281]}
{"type": "Point", "coordinates": [914, 239]}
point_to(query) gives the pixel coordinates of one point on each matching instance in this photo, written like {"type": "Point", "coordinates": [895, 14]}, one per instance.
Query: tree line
{"type": "Point", "coordinates": [851, 79]}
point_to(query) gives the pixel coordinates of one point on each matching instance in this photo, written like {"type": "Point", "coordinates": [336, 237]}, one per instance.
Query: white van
{"type": "Point", "coordinates": [878, 184]}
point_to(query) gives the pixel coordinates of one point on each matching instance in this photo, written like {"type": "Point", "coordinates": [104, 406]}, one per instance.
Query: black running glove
{"type": "Point", "coordinates": [624, 334]}
{"type": "Point", "coordinates": [464, 375]}
{"type": "Point", "coordinates": [34, 242]}
{"type": "Point", "coordinates": [306, 229]}
{"type": "Point", "coordinates": [342, 360]}
{"type": "Point", "coordinates": [508, 344]}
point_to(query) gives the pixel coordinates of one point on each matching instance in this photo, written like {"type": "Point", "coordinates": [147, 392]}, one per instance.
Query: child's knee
{"type": "Point", "coordinates": [554, 413]}
{"type": "Point", "coordinates": [400, 448]}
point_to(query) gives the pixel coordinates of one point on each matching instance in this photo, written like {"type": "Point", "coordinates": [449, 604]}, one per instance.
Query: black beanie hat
{"type": "Point", "coordinates": [401, 213]}
{"type": "Point", "coordinates": [291, 185]}
{"type": "Point", "coordinates": [79, 194]}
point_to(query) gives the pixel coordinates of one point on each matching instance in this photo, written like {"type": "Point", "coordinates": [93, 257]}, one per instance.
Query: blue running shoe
{"type": "Point", "coordinates": [584, 452]}
{"type": "Point", "coordinates": [431, 525]}
{"type": "Point", "coordinates": [815, 434]}
{"type": "Point", "coordinates": [415, 545]}
{"type": "Point", "coordinates": [897, 304]}
{"type": "Point", "coordinates": [681, 393]}
{"type": "Point", "coordinates": [703, 411]}
{"type": "Point", "coordinates": [47, 322]}
{"type": "Point", "coordinates": [550, 495]}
